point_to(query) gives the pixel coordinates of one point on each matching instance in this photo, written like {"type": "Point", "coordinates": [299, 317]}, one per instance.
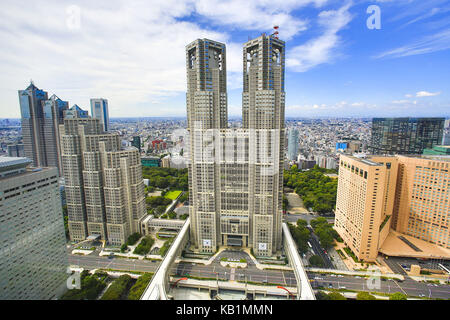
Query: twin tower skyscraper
{"type": "Point", "coordinates": [236, 175]}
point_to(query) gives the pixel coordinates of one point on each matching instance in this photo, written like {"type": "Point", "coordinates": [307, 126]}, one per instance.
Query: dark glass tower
{"type": "Point", "coordinates": [405, 135]}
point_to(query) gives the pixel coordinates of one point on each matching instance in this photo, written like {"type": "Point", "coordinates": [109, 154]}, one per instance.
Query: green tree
{"type": "Point", "coordinates": [336, 296]}
{"type": "Point", "coordinates": [137, 290]}
{"type": "Point", "coordinates": [364, 296]}
{"type": "Point", "coordinates": [320, 295]}
{"type": "Point", "coordinates": [117, 289]}
{"type": "Point", "coordinates": [398, 296]}
{"type": "Point", "coordinates": [316, 261]}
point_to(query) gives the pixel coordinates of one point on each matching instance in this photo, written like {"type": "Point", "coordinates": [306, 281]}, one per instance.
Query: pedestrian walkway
{"type": "Point", "coordinates": [232, 274]}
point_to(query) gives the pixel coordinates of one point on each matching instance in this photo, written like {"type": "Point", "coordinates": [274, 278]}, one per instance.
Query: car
{"type": "Point", "coordinates": [421, 295]}
{"type": "Point", "coordinates": [332, 275]}
{"type": "Point", "coordinates": [342, 287]}
{"type": "Point", "coordinates": [330, 285]}
{"type": "Point", "coordinates": [340, 276]}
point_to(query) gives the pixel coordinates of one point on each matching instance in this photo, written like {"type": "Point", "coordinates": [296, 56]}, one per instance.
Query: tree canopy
{"type": "Point", "coordinates": [317, 190]}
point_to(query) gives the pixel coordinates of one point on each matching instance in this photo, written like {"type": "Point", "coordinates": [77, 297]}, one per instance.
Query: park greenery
{"type": "Point", "coordinates": [132, 239]}
{"type": "Point", "coordinates": [325, 232]}
{"type": "Point", "coordinates": [144, 246]}
{"type": "Point", "coordinates": [138, 289]}
{"type": "Point", "coordinates": [317, 190]}
{"type": "Point", "coordinates": [157, 205]}
{"type": "Point", "coordinates": [301, 234]}
{"type": "Point", "coordinates": [118, 288]}
{"type": "Point", "coordinates": [165, 247]}
{"type": "Point", "coordinates": [91, 286]}
{"type": "Point", "coordinates": [320, 295]}
{"type": "Point", "coordinates": [163, 178]}
{"type": "Point", "coordinates": [398, 296]}
{"type": "Point", "coordinates": [316, 261]}
{"type": "Point", "coordinates": [364, 296]}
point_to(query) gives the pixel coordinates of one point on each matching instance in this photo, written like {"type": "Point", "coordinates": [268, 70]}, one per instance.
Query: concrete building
{"type": "Point", "coordinates": [40, 120]}
{"type": "Point", "coordinates": [438, 151]}
{"type": "Point", "coordinates": [16, 150]}
{"type": "Point", "coordinates": [377, 194]}
{"type": "Point", "coordinates": [33, 257]}
{"type": "Point", "coordinates": [293, 144]}
{"type": "Point", "coordinates": [405, 135]}
{"type": "Point", "coordinates": [75, 112]}
{"type": "Point", "coordinates": [236, 175]}
{"type": "Point", "coordinates": [446, 137]}
{"type": "Point", "coordinates": [99, 110]}
{"type": "Point", "coordinates": [103, 182]}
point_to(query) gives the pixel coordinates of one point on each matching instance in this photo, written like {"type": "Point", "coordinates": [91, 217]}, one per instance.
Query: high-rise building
{"type": "Point", "coordinates": [99, 110]}
{"type": "Point", "coordinates": [103, 182]}
{"type": "Point", "coordinates": [405, 135]}
{"type": "Point", "coordinates": [236, 175]}
{"type": "Point", "coordinates": [75, 112]}
{"type": "Point", "coordinates": [16, 150]}
{"type": "Point", "coordinates": [33, 257]}
{"type": "Point", "coordinates": [40, 120]}
{"type": "Point", "coordinates": [137, 143]}
{"type": "Point", "coordinates": [408, 194]}
{"type": "Point", "coordinates": [54, 109]}
{"type": "Point", "coordinates": [293, 144]}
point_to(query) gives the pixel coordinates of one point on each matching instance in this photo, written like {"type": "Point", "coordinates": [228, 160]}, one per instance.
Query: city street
{"type": "Point", "coordinates": [408, 286]}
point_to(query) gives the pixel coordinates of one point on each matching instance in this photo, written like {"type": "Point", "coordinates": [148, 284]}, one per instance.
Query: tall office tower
{"type": "Point", "coordinates": [103, 182]}
{"type": "Point", "coordinates": [206, 102]}
{"type": "Point", "coordinates": [99, 110]}
{"type": "Point", "coordinates": [406, 194]}
{"type": "Point", "coordinates": [33, 257]}
{"type": "Point", "coordinates": [30, 101]}
{"type": "Point", "coordinates": [40, 120]}
{"type": "Point", "coordinates": [137, 143]}
{"type": "Point", "coordinates": [263, 107]}
{"type": "Point", "coordinates": [293, 144]}
{"type": "Point", "coordinates": [235, 176]}
{"type": "Point", "coordinates": [405, 135]}
{"type": "Point", "coordinates": [54, 109]}
{"type": "Point", "coordinates": [16, 150]}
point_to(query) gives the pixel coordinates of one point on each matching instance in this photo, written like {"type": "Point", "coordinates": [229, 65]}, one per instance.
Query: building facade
{"type": "Point", "coordinates": [33, 257]}
{"type": "Point", "coordinates": [103, 182]}
{"type": "Point", "coordinates": [236, 175]}
{"type": "Point", "coordinates": [15, 150]}
{"type": "Point", "coordinates": [408, 194]}
{"type": "Point", "coordinates": [293, 144]}
{"type": "Point", "coordinates": [40, 120]}
{"type": "Point", "coordinates": [405, 135]}
{"type": "Point", "coordinates": [99, 110]}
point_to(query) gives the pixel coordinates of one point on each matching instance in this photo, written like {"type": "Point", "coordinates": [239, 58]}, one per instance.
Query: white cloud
{"type": "Point", "coordinates": [427, 94]}
{"type": "Point", "coordinates": [323, 48]}
{"type": "Point", "coordinates": [132, 53]}
{"type": "Point", "coordinates": [433, 43]}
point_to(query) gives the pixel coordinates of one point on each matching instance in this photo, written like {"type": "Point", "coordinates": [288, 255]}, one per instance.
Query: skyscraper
{"type": "Point", "coordinates": [33, 257]}
{"type": "Point", "coordinates": [99, 110]}
{"type": "Point", "coordinates": [293, 144]}
{"type": "Point", "coordinates": [40, 119]}
{"type": "Point", "coordinates": [103, 182]}
{"type": "Point", "coordinates": [235, 176]}
{"type": "Point", "coordinates": [405, 135]}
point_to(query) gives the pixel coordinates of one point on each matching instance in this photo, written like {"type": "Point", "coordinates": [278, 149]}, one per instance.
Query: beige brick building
{"type": "Point", "coordinates": [408, 194]}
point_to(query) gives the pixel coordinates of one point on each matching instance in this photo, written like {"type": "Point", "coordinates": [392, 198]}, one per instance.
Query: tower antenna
{"type": "Point", "coordinates": [276, 33]}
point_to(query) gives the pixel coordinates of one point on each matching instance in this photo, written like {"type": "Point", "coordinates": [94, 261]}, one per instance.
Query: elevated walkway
{"type": "Point", "coordinates": [157, 288]}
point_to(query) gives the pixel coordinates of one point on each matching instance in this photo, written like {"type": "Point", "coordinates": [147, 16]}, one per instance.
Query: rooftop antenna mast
{"type": "Point", "coordinates": [276, 33]}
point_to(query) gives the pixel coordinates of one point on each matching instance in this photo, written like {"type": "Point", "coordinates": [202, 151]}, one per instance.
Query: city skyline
{"type": "Point", "coordinates": [327, 40]}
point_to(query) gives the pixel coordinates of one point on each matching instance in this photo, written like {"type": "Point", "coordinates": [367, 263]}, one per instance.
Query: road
{"type": "Point", "coordinates": [318, 250]}
{"type": "Point", "coordinates": [408, 286]}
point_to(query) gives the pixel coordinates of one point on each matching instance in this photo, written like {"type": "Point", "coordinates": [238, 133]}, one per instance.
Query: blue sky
{"type": "Point", "coordinates": [132, 53]}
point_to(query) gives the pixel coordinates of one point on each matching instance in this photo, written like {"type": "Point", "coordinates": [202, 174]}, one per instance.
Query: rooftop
{"type": "Point", "coordinates": [9, 162]}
